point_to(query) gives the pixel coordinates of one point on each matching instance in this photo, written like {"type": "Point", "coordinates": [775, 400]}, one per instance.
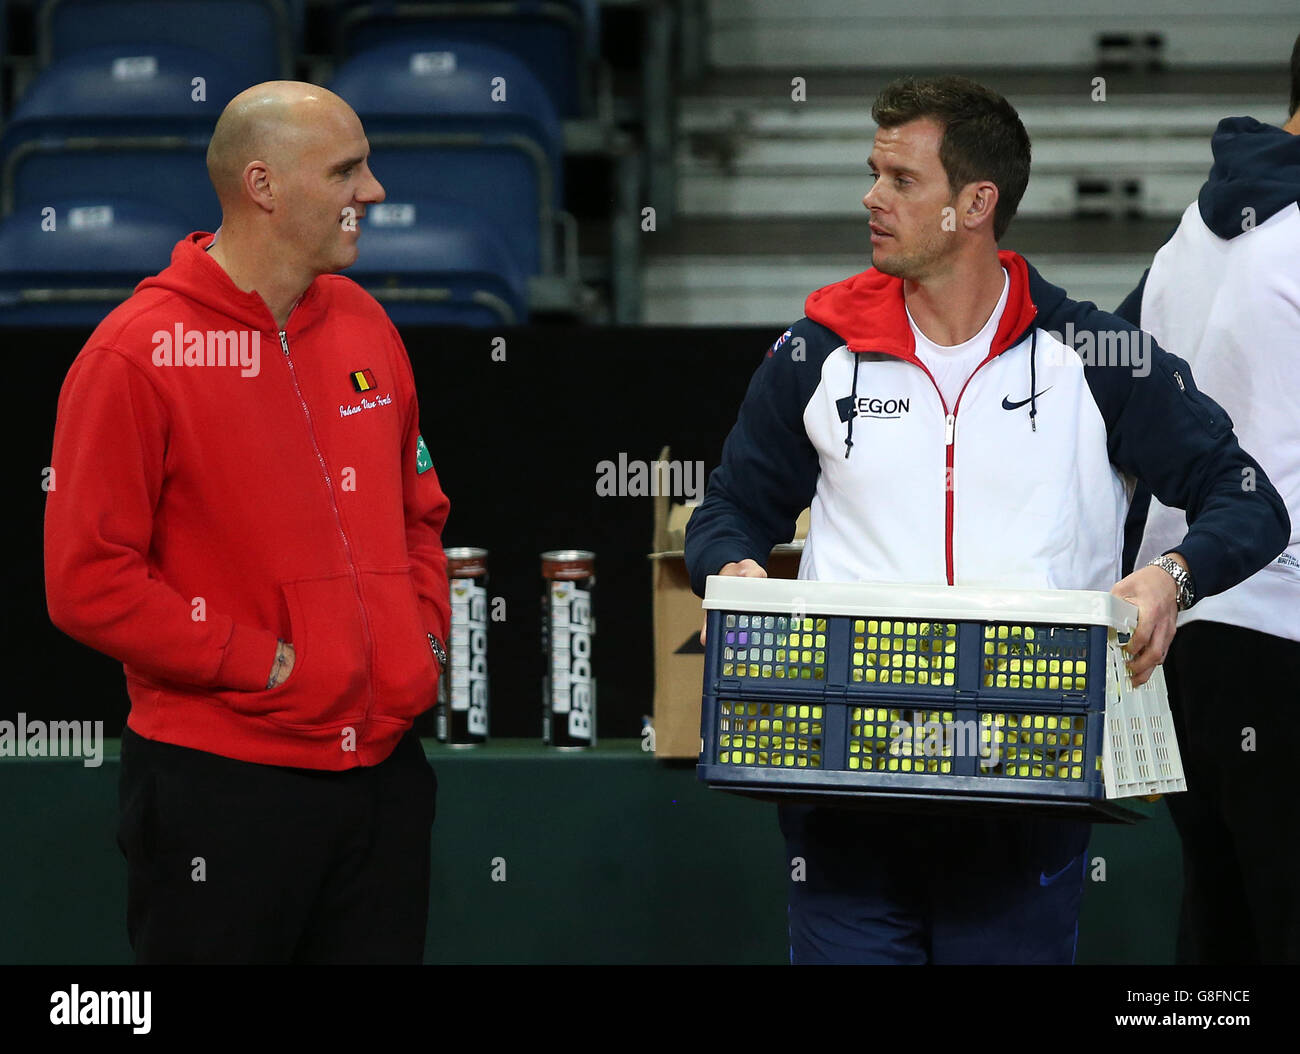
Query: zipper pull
{"type": "Point", "coordinates": [1178, 377]}
{"type": "Point", "coordinates": [284, 343]}
{"type": "Point", "coordinates": [952, 428]}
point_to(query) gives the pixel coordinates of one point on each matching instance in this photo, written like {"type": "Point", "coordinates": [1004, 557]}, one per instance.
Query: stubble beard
{"type": "Point", "coordinates": [911, 267]}
{"type": "Point", "coordinates": [917, 265]}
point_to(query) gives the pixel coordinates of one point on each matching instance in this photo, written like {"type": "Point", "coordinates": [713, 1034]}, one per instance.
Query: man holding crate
{"type": "Point", "coordinates": [949, 419]}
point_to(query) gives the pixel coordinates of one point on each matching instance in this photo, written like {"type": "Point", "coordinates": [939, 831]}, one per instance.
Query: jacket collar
{"type": "Point", "coordinates": [868, 311]}
{"type": "Point", "coordinates": [195, 275]}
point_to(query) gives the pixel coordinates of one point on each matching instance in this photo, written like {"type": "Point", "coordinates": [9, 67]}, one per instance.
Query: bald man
{"type": "Point", "coordinates": [244, 513]}
{"type": "Point", "coordinates": [288, 162]}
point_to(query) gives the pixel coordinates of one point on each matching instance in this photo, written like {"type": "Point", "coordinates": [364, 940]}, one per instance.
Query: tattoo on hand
{"type": "Point", "coordinates": [281, 661]}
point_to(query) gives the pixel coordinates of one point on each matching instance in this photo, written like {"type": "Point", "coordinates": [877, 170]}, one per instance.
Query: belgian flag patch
{"type": "Point", "coordinates": [363, 380]}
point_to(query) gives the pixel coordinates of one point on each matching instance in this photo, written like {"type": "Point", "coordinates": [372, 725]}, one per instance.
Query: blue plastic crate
{"type": "Point", "coordinates": [914, 693]}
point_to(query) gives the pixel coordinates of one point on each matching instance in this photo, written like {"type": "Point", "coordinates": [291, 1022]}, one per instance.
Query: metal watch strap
{"type": "Point", "coordinates": [1181, 578]}
{"type": "Point", "coordinates": [439, 652]}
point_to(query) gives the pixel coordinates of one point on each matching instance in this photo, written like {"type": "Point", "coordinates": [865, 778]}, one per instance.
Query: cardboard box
{"type": "Point", "coordinates": [678, 617]}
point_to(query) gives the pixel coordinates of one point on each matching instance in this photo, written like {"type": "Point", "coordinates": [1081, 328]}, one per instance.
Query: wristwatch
{"type": "Point", "coordinates": [439, 652]}
{"type": "Point", "coordinates": [1186, 595]}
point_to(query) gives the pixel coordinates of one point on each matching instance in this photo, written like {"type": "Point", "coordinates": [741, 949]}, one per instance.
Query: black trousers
{"type": "Point", "coordinates": [233, 862]}
{"type": "Point", "coordinates": [1235, 698]}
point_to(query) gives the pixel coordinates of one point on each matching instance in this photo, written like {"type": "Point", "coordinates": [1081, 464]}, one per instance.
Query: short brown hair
{"type": "Point", "coordinates": [983, 137]}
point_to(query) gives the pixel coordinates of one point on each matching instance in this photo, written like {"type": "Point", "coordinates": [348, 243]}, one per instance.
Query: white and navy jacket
{"type": "Point", "coordinates": [1025, 481]}
{"type": "Point", "coordinates": [1224, 292]}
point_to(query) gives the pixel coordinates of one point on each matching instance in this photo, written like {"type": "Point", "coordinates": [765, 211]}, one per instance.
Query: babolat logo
{"type": "Point", "coordinates": [469, 684]}
{"type": "Point", "coordinates": [573, 687]}
{"type": "Point", "coordinates": [872, 406]}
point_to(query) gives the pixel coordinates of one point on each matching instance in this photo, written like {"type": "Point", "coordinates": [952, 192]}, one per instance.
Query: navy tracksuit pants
{"type": "Point", "coordinates": [899, 888]}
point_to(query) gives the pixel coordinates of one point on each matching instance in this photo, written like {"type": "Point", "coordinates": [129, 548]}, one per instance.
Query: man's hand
{"type": "Point", "coordinates": [282, 667]}
{"type": "Point", "coordinates": [1155, 593]}
{"type": "Point", "coordinates": [740, 569]}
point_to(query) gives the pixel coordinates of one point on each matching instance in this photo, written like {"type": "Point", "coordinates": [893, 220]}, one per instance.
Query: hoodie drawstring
{"type": "Point", "coordinates": [848, 407]}
{"type": "Point", "coordinates": [1033, 387]}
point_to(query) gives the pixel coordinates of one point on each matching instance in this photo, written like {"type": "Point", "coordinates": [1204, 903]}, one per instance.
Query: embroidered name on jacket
{"type": "Point", "coordinates": [365, 404]}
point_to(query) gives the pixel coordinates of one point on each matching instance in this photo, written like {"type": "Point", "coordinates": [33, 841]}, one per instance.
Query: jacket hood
{"type": "Point", "coordinates": [869, 313]}
{"type": "Point", "coordinates": [1257, 167]}
{"type": "Point", "coordinates": [194, 275]}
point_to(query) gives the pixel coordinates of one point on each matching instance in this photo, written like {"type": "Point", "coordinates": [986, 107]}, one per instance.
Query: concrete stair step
{"type": "Point", "coordinates": [736, 290]}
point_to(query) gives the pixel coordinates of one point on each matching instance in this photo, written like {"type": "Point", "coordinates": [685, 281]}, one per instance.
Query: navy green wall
{"type": "Point", "coordinates": [610, 857]}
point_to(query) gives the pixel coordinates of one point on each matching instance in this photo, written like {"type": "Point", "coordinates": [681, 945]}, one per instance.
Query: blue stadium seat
{"type": "Point", "coordinates": [255, 37]}
{"type": "Point", "coordinates": [557, 39]}
{"type": "Point", "coordinates": [432, 262]}
{"type": "Point", "coordinates": [121, 123]}
{"type": "Point", "coordinates": [92, 259]}
{"type": "Point", "coordinates": [435, 130]}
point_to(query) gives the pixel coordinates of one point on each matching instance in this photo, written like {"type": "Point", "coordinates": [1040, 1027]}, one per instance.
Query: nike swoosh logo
{"type": "Point", "coordinates": [1007, 404]}
{"type": "Point", "coordinates": [1044, 879]}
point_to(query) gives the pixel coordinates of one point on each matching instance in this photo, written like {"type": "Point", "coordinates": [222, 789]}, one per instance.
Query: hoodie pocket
{"type": "Point", "coordinates": [327, 685]}
{"type": "Point", "coordinates": [406, 673]}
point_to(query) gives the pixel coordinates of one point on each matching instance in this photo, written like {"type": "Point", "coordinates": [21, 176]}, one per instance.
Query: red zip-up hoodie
{"type": "Point", "coordinates": [196, 513]}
